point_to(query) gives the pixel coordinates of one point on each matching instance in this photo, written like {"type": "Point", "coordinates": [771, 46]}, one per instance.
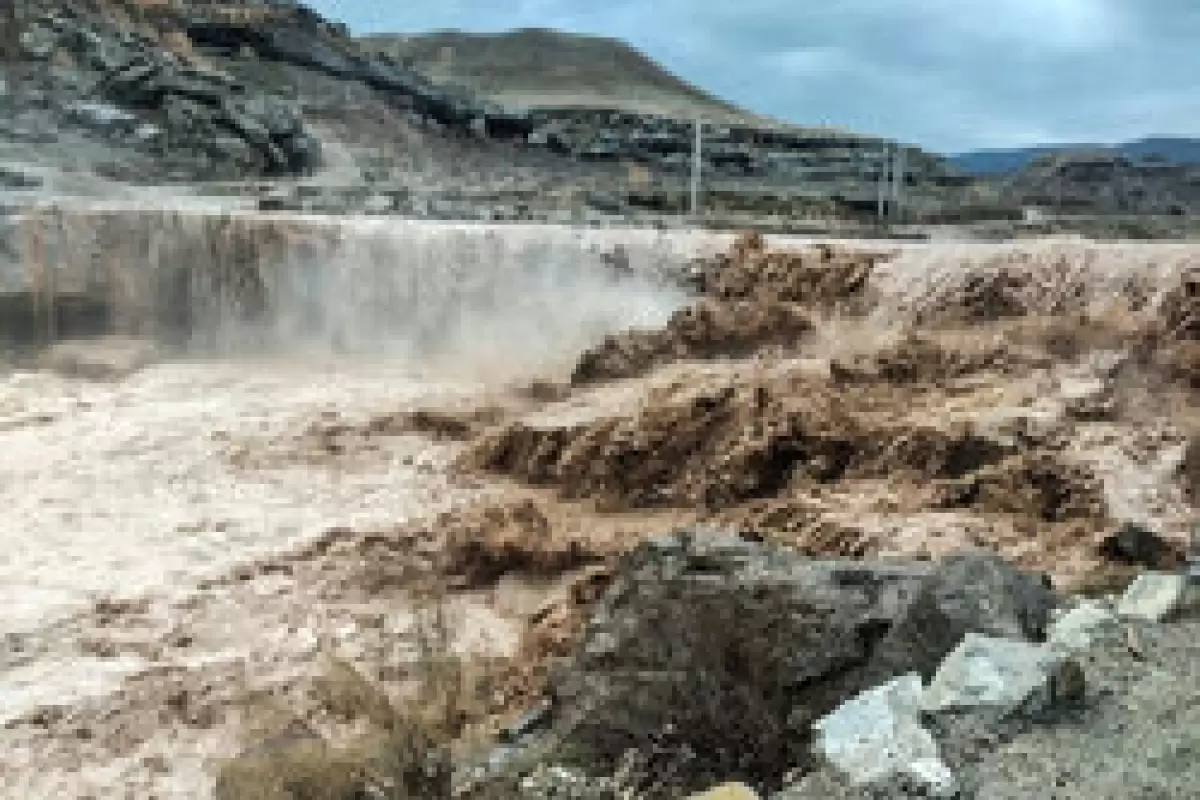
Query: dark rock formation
{"type": "Point", "coordinates": [147, 98]}
{"type": "Point", "coordinates": [312, 48]}
{"type": "Point", "coordinates": [711, 657]}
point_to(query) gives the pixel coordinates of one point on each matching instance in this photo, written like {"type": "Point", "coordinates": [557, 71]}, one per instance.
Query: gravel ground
{"type": "Point", "coordinates": [1138, 735]}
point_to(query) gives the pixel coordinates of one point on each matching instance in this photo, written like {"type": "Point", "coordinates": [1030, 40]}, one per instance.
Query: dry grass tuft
{"type": "Point", "coordinates": [407, 753]}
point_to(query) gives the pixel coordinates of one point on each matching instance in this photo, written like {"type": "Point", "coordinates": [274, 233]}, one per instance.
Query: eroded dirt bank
{"type": "Point", "coordinates": [1034, 402]}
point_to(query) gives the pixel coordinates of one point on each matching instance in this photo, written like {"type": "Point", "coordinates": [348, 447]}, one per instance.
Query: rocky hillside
{"type": "Point", "coordinates": [537, 68]}
{"type": "Point", "coordinates": [130, 100]}
{"type": "Point", "coordinates": [1175, 149]}
{"type": "Point", "coordinates": [144, 92]}
{"type": "Point", "coordinates": [1105, 182]}
{"type": "Point", "coordinates": [151, 92]}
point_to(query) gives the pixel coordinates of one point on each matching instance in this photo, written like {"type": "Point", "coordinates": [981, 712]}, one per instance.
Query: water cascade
{"type": "Point", "coordinates": [230, 282]}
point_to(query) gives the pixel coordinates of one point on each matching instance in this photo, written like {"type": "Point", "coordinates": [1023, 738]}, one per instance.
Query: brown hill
{"type": "Point", "coordinates": [538, 68]}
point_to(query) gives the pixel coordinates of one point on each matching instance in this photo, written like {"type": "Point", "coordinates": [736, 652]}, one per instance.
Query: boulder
{"type": "Point", "coordinates": [722, 652]}
{"type": "Point", "coordinates": [103, 117]}
{"type": "Point", "coordinates": [15, 179]}
{"type": "Point", "coordinates": [1077, 629]}
{"type": "Point", "coordinates": [998, 678]}
{"type": "Point", "coordinates": [719, 654]}
{"type": "Point", "coordinates": [967, 593]}
{"type": "Point", "coordinates": [555, 782]}
{"type": "Point", "coordinates": [38, 42]}
{"type": "Point", "coordinates": [1138, 545]}
{"type": "Point", "coordinates": [1155, 596]}
{"type": "Point", "coordinates": [877, 737]}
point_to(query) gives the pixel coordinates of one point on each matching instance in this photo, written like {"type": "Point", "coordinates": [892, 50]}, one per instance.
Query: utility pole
{"type": "Point", "coordinates": [898, 182]}
{"type": "Point", "coordinates": [885, 163]}
{"type": "Point", "coordinates": [697, 163]}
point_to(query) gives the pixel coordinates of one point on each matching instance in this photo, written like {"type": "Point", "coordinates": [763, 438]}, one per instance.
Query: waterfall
{"type": "Point", "coordinates": [222, 282]}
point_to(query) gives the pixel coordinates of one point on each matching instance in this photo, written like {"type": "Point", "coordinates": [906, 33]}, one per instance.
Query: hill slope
{"type": "Point", "coordinates": [534, 68]}
{"type": "Point", "coordinates": [1178, 150]}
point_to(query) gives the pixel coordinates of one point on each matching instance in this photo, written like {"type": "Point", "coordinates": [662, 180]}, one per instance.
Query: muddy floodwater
{"type": "Point", "coordinates": [185, 531]}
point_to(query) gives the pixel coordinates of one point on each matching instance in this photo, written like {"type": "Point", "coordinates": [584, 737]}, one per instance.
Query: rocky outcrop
{"type": "Point", "coordinates": [711, 658]}
{"type": "Point", "coordinates": [142, 96]}
{"type": "Point", "coordinates": [1103, 182]}
{"type": "Point", "coordinates": [306, 44]}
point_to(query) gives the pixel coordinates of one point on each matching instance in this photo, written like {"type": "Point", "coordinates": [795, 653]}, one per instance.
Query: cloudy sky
{"type": "Point", "coordinates": [950, 75]}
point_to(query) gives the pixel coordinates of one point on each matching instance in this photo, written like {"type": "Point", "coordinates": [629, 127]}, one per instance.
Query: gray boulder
{"type": "Point", "coordinates": [38, 42]}
{"type": "Point", "coordinates": [967, 593]}
{"type": "Point", "coordinates": [15, 179]}
{"type": "Point", "coordinates": [104, 117]}
{"type": "Point", "coordinates": [1156, 596]}
{"type": "Point", "coordinates": [1002, 677]}
{"type": "Point", "coordinates": [877, 737]}
{"type": "Point", "coordinates": [713, 656]}
{"type": "Point", "coordinates": [1078, 629]}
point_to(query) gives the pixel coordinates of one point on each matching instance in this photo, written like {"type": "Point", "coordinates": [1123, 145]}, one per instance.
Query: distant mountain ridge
{"type": "Point", "coordinates": [1178, 150]}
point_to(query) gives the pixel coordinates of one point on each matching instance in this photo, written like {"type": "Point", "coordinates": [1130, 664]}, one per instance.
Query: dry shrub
{"type": "Point", "coordinates": [408, 755]}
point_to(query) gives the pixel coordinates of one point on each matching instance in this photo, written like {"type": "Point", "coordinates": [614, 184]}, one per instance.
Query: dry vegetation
{"type": "Point", "coordinates": [408, 751]}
